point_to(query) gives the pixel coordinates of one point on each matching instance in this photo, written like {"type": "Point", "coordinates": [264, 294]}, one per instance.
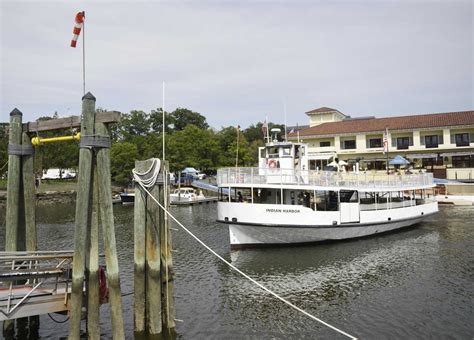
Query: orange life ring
{"type": "Point", "coordinates": [272, 163]}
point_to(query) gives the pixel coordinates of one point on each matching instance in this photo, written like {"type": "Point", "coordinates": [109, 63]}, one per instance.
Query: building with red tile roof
{"type": "Point", "coordinates": [437, 141]}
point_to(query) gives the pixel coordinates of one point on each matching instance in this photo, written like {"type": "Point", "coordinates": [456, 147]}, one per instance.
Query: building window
{"type": "Point", "coordinates": [463, 161]}
{"type": "Point", "coordinates": [375, 143]}
{"type": "Point", "coordinates": [349, 144]}
{"type": "Point", "coordinates": [431, 141]}
{"type": "Point", "coordinates": [429, 162]}
{"type": "Point", "coordinates": [324, 144]}
{"type": "Point", "coordinates": [403, 143]}
{"type": "Point", "coordinates": [462, 139]}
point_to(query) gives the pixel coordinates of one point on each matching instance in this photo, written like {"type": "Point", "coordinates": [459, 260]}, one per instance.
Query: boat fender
{"type": "Point", "coordinates": [272, 163]}
{"type": "Point", "coordinates": [103, 290]}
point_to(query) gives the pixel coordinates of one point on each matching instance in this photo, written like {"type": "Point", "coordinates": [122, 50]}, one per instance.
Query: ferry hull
{"type": "Point", "coordinates": [242, 236]}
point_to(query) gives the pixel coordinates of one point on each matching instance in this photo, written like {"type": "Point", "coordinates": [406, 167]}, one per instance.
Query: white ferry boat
{"type": "Point", "coordinates": [282, 202]}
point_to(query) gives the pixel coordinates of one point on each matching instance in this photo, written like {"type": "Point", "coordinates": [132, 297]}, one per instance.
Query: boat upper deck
{"type": "Point", "coordinates": [232, 177]}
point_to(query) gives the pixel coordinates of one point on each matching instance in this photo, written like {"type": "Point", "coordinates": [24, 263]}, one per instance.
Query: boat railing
{"type": "Point", "coordinates": [278, 176]}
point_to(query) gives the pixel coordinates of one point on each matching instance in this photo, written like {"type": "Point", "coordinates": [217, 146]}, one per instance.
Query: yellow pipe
{"type": "Point", "coordinates": [38, 140]}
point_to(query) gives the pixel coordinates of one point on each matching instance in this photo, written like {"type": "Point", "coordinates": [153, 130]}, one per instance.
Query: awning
{"type": "Point", "coordinates": [324, 156]}
{"type": "Point", "coordinates": [421, 155]}
{"type": "Point", "coordinates": [449, 154]}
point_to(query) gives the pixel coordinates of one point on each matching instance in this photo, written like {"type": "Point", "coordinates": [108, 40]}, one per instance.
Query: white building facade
{"type": "Point", "coordinates": [442, 143]}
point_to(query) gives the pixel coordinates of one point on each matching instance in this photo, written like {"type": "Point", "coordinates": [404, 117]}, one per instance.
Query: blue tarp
{"type": "Point", "coordinates": [399, 160]}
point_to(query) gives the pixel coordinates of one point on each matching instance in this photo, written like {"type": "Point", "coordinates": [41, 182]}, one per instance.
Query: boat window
{"type": "Point", "coordinates": [299, 197]}
{"type": "Point", "coordinates": [327, 201]}
{"type": "Point", "coordinates": [286, 151]}
{"type": "Point", "coordinates": [223, 195]}
{"type": "Point", "coordinates": [262, 153]}
{"type": "Point", "coordinates": [348, 196]}
{"type": "Point", "coordinates": [266, 196]}
{"type": "Point", "coordinates": [382, 199]}
{"type": "Point", "coordinates": [241, 195]}
{"type": "Point", "coordinates": [273, 152]}
{"type": "Point", "coordinates": [367, 201]}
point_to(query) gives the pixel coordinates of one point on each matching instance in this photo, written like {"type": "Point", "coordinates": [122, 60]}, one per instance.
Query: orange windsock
{"type": "Point", "coordinates": [77, 28]}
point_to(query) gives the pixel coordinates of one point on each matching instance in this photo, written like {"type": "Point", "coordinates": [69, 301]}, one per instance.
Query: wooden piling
{"type": "Point", "coordinates": [13, 197]}
{"type": "Point", "coordinates": [29, 199]}
{"type": "Point", "coordinates": [139, 254]}
{"type": "Point", "coordinates": [153, 263]}
{"type": "Point", "coordinates": [108, 231]}
{"type": "Point", "coordinates": [93, 299]}
{"type": "Point", "coordinates": [167, 263]}
{"type": "Point", "coordinates": [82, 217]}
{"type": "Point", "coordinates": [29, 193]}
{"type": "Point", "coordinates": [13, 185]}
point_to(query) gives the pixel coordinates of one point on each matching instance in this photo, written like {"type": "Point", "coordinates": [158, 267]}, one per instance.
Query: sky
{"type": "Point", "coordinates": [238, 62]}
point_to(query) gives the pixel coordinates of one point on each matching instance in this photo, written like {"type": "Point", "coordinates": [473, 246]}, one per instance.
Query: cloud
{"type": "Point", "coordinates": [236, 62]}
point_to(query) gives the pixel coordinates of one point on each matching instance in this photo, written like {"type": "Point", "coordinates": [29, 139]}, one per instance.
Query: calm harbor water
{"type": "Point", "coordinates": [416, 283]}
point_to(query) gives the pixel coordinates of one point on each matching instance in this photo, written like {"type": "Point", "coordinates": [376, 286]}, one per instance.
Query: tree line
{"type": "Point", "coordinates": [189, 142]}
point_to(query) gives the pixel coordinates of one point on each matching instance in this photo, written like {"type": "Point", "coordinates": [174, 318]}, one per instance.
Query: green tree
{"type": "Point", "coordinates": [193, 147]}
{"type": "Point", "coordinates": [180, 118]}
{"type": "Point", "coordinates": [122, 161]}
{"type": "Point", "coordinates": [136, 123]}
{"type": "Point", "coordinates": [254, 132]}
{"type": "Point", "coordinates": [227, 138]}
{"type": "Point", "coordinates": [156, 121]}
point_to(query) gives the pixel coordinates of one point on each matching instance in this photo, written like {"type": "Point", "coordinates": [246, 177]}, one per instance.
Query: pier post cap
{"type": "Point", "coordinates": [89, 96]}
{"type": "Point", "coordinates": [16, 112]}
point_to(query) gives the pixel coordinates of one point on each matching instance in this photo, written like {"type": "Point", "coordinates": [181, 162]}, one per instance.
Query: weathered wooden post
{"type": "Point", "coordinates": [108, 231]}
{"type": "Point", "coordinates": [139, 223]}
{"type": "Point", "coordinates": [29, 195]}
{"type": "Point", "coordinates": [153, 265]}
{"type": "Point", "coordinates": [153, 305]}
{"type": "Point", "coordinates": [167, 262]}
{"type": "Point", "coordinates": [82, 217]}
{"type": "Point", "coordinates": [93, 297]}
{"type": "Point", "coordinates": [14, 181]}
{"type": "Point", "coordinates": [13, 193]}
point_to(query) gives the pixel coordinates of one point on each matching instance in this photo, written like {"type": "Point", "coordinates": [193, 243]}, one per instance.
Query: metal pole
{"type": "Point", "coordinates": [237, 154]}
{"type": "Point", "coordinates": [386, 136]}
{"type": "Point", "coordinates": [84, 55]}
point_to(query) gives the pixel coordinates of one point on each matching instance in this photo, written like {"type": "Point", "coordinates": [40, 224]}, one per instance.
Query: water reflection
{"type": "Point", "coordinates": [415, 283]}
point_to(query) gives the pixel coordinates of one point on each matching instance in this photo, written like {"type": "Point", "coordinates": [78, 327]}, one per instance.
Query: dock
{"type": "Point", "coordinates": [46, 283]}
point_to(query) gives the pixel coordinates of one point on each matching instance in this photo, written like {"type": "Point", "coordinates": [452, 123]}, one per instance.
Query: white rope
{"type": "Point", "coordinates": [148, 182]}
{"type": "Point", "coordinates": [137, 179]}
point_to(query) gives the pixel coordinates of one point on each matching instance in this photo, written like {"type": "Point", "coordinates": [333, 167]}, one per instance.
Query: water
{"type": "Point", "coordinates": [416, 283]}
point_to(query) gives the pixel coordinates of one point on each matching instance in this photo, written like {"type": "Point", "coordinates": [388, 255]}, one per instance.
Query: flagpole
{"type": "Point", "coordinates": [284, 110]}
{"type": "Point", "coordinates": [386, 138]}
{"type": "Point", "coordinates": [267, 132]}
{"type": "Point", "coordinates": [84, 54]}
{"type": "Point", "coordinates": [163, 125]}
{"type": "Point", "coordinates": [237, 154]}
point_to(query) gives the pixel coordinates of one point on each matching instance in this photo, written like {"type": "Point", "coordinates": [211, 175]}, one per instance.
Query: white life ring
{"type": "Point", "coordinates": [272, 163]}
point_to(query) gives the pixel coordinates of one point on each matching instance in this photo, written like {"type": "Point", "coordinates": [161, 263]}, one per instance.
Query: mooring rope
{"type": "Point", "coordinates": [138, 180]}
